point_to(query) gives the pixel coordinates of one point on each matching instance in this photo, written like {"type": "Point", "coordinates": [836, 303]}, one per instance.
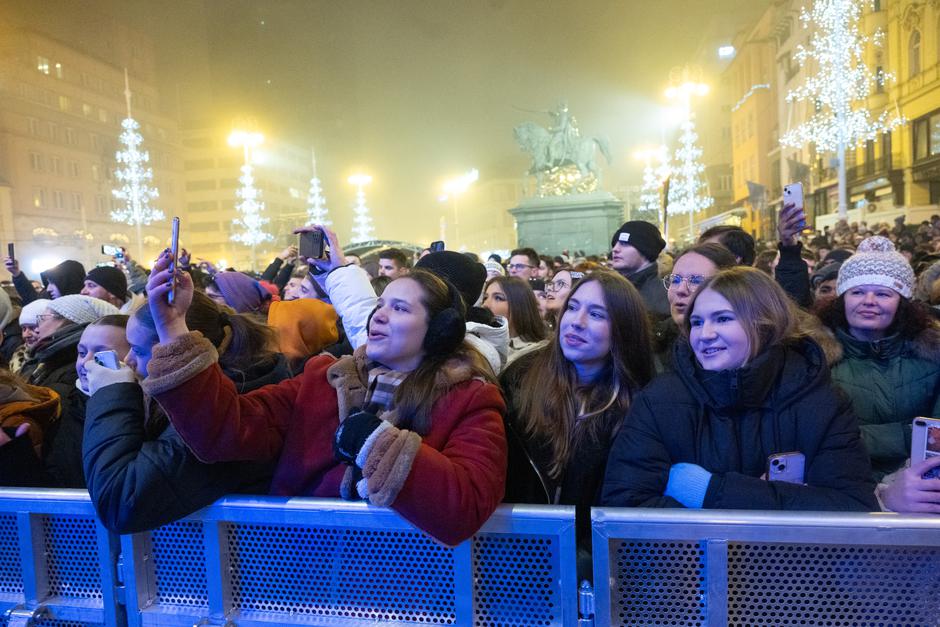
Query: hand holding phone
{"type": "Point", "coordinates": [792, 218]}
{"type": "Point", "coordinates": [925, 443]}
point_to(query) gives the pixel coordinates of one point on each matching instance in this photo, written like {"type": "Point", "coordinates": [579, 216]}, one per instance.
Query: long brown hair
{"type": "Point", "coordinates": [554, 405]}
{"type": "Point", "coordinates": [524, 318]}
{"type": "Point", "coordinates": [242, 339]}
{"type": "Point", "coordinates": [416, 395]}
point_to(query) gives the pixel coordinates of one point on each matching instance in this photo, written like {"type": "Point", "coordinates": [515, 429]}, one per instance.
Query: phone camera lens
{"type": "Point", "coordinates": [782, 467]}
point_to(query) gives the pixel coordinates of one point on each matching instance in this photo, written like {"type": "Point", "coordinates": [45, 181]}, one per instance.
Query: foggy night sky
{"type": "Point", "coordinates": [414, 91]}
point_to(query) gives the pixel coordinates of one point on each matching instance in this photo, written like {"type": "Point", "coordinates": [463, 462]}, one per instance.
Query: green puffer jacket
{"type": "Point", "coordinates": [890, 382]}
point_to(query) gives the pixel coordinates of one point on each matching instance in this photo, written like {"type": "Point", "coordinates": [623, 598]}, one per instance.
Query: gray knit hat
{"type": "Point", "coordinates": [876, 262]}
{"type": "Point", "coordinates": [81, 309]}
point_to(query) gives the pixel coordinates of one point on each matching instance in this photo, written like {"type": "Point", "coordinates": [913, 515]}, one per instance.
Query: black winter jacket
{"type": "Point", "coordinates": [140, 473]}
{"type": "Point", "coordinates": [729, 422]}
{"type": "Point", "coordinates": [650, 287]}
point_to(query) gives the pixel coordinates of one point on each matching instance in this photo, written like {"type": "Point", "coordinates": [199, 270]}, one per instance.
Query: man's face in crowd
{"type": "Point", "coordinates": [625, 258]}
{"type": "Point", "coordinates": [825, 292]}
{"type": "Point", "coordinates": [391, 269]}
{"type": "Point", "coordinates": [520, 266]}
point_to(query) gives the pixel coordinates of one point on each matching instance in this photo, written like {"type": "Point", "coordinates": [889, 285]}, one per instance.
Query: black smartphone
{"type": "Point", "coordinates": [436, 247]}
{"type": "Point", "coordinates": [175, 257]}
{"type": "Point", "coordinates": [10, 251]}
{"type": "Point", "coordinates": [311, 245]}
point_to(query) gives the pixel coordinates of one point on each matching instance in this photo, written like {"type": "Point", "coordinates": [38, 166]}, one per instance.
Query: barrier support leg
{"type": "Point", "coordinates": [716, 583]}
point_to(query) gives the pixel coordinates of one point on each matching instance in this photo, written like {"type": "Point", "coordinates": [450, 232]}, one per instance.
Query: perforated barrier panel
{"type": "Point", "coordinates": [370, 575]}
{"type": "Point", "coordinates": [11, 576]}
{"type": "Point", "coordinates": [834, 585]}
{"type": "Point", "coordinates": [513, 580]}
{"type": "Point", "coordinates": [659, 583]}
{"type": "Point", "coordinates": [179, 561]}
{"type": "Point", "coordinates": [71, 550]}
{"type": "Point", "coordinates": [685, 568]}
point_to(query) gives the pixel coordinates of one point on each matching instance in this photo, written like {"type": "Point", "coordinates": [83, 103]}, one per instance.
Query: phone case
{"type": "Point", "coordinates": [311, 245]}
{"type": "Point", "coordinates": [108, 359]}
{"type": "Point", "coordinates": [925, 443]}
{"type": "Point", "coordinates": [793, 194]}
{"type": "Point", "coordinates": [175, 253]}
{"type": "Point", "coordinates": [788, 467]}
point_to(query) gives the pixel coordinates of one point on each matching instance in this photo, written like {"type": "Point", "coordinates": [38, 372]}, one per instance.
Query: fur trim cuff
{"type": "Point", "coordinates": [389, 465]}
{"type": "Point", "coordinates": [177, 362]}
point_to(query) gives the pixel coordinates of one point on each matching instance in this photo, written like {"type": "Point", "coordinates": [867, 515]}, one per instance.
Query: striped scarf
{"type": "Point", "coordinates": [382, 385]}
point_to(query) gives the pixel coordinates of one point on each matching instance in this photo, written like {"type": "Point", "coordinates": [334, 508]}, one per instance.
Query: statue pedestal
{"type": "Point", "coordinates": [574, 222]}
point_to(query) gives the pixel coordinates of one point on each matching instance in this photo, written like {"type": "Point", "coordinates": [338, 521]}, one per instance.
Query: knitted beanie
{"type": "Point", "coordinates": [876, 262]}
{"type": "Point", "coordinates": [81, 309]}
{"type": "Point", "coordinates": [241, 292]}
{"type": "Point", "coordinates": [110, 278]}
{"type": "Point", "coordinates": [467, 275]}
{"type": "Point", "coordinates": [32, 309]}
{"type": "Point", "coordinates": [643, 236]}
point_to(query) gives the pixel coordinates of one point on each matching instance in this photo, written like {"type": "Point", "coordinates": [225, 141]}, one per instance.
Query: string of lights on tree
{"type": "Point", "coordinates": [362, 222]}
{"type": "Point", "coordinates": [687, 190]}
{"type": "Point", "coordinates": [839, 88]}
{"type": "Point", "coordinates": [134, 176]}
{"type": "Point", "coordinates": [250, 207]}
{"type": "Point", "coordinates": [317, 213]}
{"type": "Point", "coordinates": [655, 171]}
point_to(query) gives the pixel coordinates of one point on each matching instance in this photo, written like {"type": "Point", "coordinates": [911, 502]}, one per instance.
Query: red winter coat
{"type": "Point", "coordinates": [456, 479]}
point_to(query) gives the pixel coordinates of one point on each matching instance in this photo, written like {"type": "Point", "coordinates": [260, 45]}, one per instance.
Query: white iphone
{"type": "Point", "coordinates": [793, 195]}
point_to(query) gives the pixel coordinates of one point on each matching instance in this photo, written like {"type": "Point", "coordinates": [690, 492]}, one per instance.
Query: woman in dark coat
{"type": "Point", "coordinates": [139, 472]}
{"type": "Point", "coordinates": [746, 386]}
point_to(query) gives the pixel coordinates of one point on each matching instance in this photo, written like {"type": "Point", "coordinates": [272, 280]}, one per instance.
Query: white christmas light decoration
{"type": "Point", "coordinates": [317, 213]}
{"type": "Point", "coordinates": [362, 223]}
{"type": "Point", "coordinates": [655, 172]}
{"type": "Point", "coordinates": [687, 193]}
{"type": "Point", "coordinates": [134, 174]}
{"type": "Point", "coordinates": [839, 88]}
{"type": "Point", "coordinates": [249, 203]}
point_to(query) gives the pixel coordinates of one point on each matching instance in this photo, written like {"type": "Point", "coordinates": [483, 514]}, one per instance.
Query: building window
{"type": "Point", "coordinates": [77, 201]}
{"type": "Point", "coordinates": [913, 54]}
{"type": "Point", "coordinates": [876, 6]}
{"type": "Point", "coordinates": [53, 129]}
{"type": "Point", "coordinates": [58, 199]}
{"type": "Point", "coordinates": [33, 125]}
{"type": "Point", "coordinates": [39, 197]}
{"type": "Point", "coordinates": [73, 168]}
{"type": "Point", "coordinates": [927, 137]}
{"type": "Point", "coordinates": [102, 115]}
{"type": "Point", "coordinates": [42, 64]}
{"type": "Point", "coordinates": [880, 80]}
{"type": "Point", "coordinates": [64, 103]}
{"type": "Point", "coordinates": [101, 205]}
{"type": "Point", "coordinates": [58, 70]}
{"type": "Point", "coordinates": [95, 142]}
{"type": "Point", "coordinates": [55, 165]}
{"type": "Point", "coordinates": [70, 136]}
{"type": "Point", "coordinates": [36, 162]}
{"type": "Point", "coordinates": [95, 173]}
{"type": "Point", "coordinates": [87, 110]}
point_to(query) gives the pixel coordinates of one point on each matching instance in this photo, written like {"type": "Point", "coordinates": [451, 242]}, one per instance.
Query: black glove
{"type": "Point", "coordinates": [352, 434]}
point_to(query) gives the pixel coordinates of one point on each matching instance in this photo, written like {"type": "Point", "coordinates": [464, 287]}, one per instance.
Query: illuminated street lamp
{"type": "Point", "coordinates": [362, 223]}
{"type": "Point", "coordinates": [454, 188]}
{"type": "Point", "coordinates": [249, 203]}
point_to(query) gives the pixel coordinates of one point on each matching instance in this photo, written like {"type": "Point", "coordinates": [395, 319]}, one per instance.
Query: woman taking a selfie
{"type": "Point", "coordinates": [410, 421]}
{"type": "Point", "coordinates": [746, 386]}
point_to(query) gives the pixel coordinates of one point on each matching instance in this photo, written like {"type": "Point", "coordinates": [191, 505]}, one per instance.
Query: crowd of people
{"type": "Point", "coordinates": [445, 384]}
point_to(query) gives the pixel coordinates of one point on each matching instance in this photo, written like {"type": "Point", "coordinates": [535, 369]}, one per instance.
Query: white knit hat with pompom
{"type": "Point", "coordinates": [876, 262]}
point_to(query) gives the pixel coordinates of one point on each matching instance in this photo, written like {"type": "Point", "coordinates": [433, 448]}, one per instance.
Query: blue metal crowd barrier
{"type": "Point", "coordinates": [262, 561]}
{"type": "Point", "coordinates": [252, 561]}
{"type": "Point", "coordinates": [694, 567]}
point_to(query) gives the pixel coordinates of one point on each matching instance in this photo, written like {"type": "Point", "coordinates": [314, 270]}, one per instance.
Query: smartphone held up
{"type": "Point", "coordinates": [793, 195]}
{"type": "Point", "coordinates": [174, 258]}
{"type": "Point", "coordinates": [311, 245]}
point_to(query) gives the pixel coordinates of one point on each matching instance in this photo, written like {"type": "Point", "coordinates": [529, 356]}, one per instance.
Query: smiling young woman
{"type": "Point", "coordinates": [747, 385]}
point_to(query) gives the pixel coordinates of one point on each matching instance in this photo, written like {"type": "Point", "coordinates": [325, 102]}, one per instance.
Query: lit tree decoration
{"type": "Point", "coordinates": [840, 87]}
{"type": "Point", "coordinates": [362, 223]}
{"type": "Point", "coordinates": [655, 171]}
{"type": "Point", "coordinates": [249, 203]}
{"type": "Point", "coordinates": [317, 212]}
{"type": "Point", "coordinates": [687, 193]}
{"type": "Point", "coordinates": [134, 174]}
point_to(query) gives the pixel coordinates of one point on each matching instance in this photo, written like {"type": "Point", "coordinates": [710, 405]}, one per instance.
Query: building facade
{"type": "Point", "coordinates": [60, 117]}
